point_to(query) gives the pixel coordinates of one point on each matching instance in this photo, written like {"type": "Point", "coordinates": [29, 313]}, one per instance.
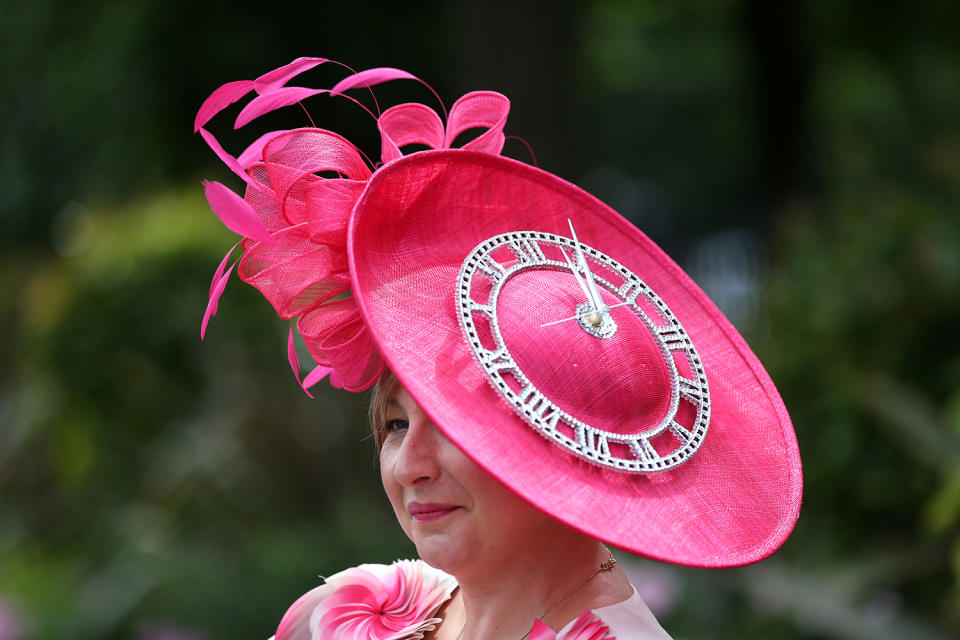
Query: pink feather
{"type": "Point", "coordinates": [225, 95]}
{"type": "Point", "coordinates": [254, 153]}
{"type": "Point", "coordinates": [235, 212]}
{"type": "Point", "coordinates": [273, 80]}
{"type": "Point", "coordinates": [319, 373]}
{"type": "Point", "coordinates": [295, 361]}
{"type": "Point", "coordinates": [219, 272]}
{"type": "Point", "coordinates": [228, 159]}
{"type": "Point", "coordinates": [282, 97]}
{"type": "Point", "coordinates": [215, 294]}
{"type": "Point", "coordinates": [371, 77]}
{"type": "Point", "coordinates": [292, 354]}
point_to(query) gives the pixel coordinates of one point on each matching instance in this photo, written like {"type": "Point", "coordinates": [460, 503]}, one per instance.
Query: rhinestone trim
{"type": "Point", "coordinates": [585, 441]}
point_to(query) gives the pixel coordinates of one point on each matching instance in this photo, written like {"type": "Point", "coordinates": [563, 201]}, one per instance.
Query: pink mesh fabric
{"type": "Point", "coordinates": [297, 272]}
{"type": "Point", "coordinates": [609, 393]}
{"type": "Point", "coordinates": [734, 502]}
{"type": "Point", "coordinates": [338, 337]}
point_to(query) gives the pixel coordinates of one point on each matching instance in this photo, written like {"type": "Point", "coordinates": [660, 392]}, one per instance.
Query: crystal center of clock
{"type": "Point", "coordinates": [599, 324]}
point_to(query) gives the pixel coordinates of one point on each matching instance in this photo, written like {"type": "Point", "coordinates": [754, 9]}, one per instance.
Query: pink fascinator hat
{"type": "Point", "coordinates": [547, 337]}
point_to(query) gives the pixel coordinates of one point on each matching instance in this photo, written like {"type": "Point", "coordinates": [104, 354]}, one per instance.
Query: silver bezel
{"type": "Point", "coordinates": [585, 441]}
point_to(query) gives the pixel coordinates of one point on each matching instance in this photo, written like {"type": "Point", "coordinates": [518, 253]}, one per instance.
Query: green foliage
{"type": "Point", "coordinates": [126, 483]}
{"type": "Point", "coordinates": [149, 481]}
{"type": "Point", "coordinates": [861, 305]}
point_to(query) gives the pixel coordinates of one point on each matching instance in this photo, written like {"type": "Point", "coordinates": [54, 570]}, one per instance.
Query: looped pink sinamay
{"type": "Point", "coordinates": [303, 271]}
{"type": "Point", "coordinates": [415, 123]}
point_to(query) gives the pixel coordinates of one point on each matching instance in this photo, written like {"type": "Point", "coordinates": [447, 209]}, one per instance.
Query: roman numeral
{"type": "Point", "coordinates": [592, 443]}
{"type": "Point", "coordinates": [496, 360]}
{"type": "Point", "coordinates": [491, 267]}
{"type": "Point", "coordinates": [691, 390]}
{"type": "Point", "coordinates": [485, 309]}
{"type": "Point", "coordinates": [643, 450]}
{"type": "Point", "coordinates": [527, 250]}
{"type": "Point", "coordinates": [538, 408]}
{"type": "Point", "coordinates": [681, 432]}
{"type": "Point", "coordinates": [629, 290]}
{"type": "Point", "coordinates": [673, 337]}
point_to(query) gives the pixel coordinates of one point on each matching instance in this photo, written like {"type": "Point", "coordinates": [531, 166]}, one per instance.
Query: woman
{"type": "Point", "coordinates": [513, 563]}
{"type": "Point", "coordinates": [548, 380]}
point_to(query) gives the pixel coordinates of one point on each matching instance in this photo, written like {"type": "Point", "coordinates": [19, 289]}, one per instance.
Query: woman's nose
{"type": "Point", "coordinates": [416, 463]}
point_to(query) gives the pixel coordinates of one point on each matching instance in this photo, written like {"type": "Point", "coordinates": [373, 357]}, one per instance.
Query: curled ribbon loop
{"type": "Point", "coordinates": [292, 159]}
{"type": "Point", "coordinates": [337, 337]}
{"type": "Point", "coordinates": [415, 123]}
{"type": "Point", "coordinates": [297, 272]}
{"type": "Point", "coordinates": [486, 109]}
{"type": "Point", "coordinates": [411, 123]}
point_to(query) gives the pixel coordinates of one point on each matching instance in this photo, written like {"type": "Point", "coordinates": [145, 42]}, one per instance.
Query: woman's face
{"type": "Point", "coordinates": [452, 510]}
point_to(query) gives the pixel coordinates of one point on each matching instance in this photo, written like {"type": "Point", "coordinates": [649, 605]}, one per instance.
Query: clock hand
{"type": "Point", "coordinates": [595, 317]}
{"type": "Point", "coordinates": [594, 295]}
{"type": "Point", "coordinates": [580, 281]}
{"type": "Point", "coordinates": [578, 316]}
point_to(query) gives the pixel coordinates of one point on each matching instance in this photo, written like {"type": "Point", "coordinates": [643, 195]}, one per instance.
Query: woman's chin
{"type": "Point", "coordinates": [444, 552]}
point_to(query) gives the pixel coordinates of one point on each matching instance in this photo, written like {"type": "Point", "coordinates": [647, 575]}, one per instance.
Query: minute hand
{"type": "Point", "coordinates": [575, 270]}
{"type": "Point", "coordinates": [594, 295]}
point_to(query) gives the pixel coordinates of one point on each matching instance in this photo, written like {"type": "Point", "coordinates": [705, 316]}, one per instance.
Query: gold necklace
{"type": "Point", "coordinates": [606, 565]}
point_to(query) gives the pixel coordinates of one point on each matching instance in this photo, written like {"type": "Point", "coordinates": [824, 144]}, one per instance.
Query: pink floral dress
{"type": "Point", "coordinates": [400, 602]}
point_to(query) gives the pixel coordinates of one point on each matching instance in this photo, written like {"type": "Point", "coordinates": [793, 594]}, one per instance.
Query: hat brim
{"type": "Point", "coordinates": [734, 502]}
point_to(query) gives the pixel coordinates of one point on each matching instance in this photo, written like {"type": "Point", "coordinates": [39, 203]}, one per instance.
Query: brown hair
{"type": "Point", "coordinates": [377, 412]}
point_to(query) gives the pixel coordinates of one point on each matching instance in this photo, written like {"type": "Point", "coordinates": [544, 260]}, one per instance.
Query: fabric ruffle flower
{"type": "Point", "coordinates": [370, 602]}
{"type": "Point", "coordinates": [301, 187]}
{"type": "Point", "coordinates": [587, 627]}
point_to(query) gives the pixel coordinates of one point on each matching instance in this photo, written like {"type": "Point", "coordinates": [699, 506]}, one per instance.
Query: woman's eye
{"type": "Point", "coordinates": [396, 425]}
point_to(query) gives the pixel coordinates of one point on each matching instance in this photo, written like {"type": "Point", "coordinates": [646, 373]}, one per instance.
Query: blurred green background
{"type": "Point", "coordinates": [800, 159]}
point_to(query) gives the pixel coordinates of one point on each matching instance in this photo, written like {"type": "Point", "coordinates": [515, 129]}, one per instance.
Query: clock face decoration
{"type": "Point", "coordinates": [604, 302]}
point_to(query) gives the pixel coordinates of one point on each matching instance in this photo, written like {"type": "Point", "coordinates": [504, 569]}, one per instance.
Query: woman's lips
{"type": "Point", "coordinates": [426, 512]}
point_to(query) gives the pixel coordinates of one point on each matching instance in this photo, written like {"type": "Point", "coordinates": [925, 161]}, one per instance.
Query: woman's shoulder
{"type": "Point", "coordinates": [401, 600]}
{"type": "Point", "coordinates": [627, 620]}
{"type": "Point", "coordinates": [374, 601]}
